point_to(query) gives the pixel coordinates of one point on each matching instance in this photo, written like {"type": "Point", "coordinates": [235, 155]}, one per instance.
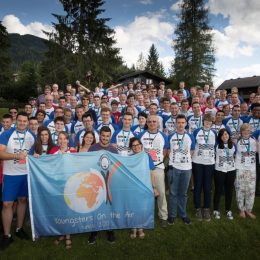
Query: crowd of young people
{"type": "Point", "coordinates": [193, 135]}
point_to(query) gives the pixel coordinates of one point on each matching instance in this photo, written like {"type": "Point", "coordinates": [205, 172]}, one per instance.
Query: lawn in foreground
{"type": "Point", "coordinates": [217, 239]}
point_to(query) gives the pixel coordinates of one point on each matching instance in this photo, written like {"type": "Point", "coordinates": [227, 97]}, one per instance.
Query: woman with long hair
{"type": "Point", "coordinates": [88, 139]}
{"type": "Point", "coordinates": [43, 143]}
{"type": "Point", "coordinates": [225, 172]}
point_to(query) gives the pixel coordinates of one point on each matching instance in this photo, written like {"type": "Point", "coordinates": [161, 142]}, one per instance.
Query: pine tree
{"type": "Point", "coordinates": [152, 64]}
{"type": "Point", "coordinates": [5, 61]}
{"type": "Point", "coordinates": [194, 53]}
{"type": "Point", "coordinates": [141, 63]}
{"type": "Point", "coordinates": [83, 42]}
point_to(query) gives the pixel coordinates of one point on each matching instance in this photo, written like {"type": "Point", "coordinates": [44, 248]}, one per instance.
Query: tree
{"type": "Point", "coordinates": [5, 61]}
{"type": "Point", "coordinates": [194, 53]}
{"type": "Point", "coordinates": [82, 42]}
{"type": "Point", "coordinates": [152, 63]}
{"type": "Point", "coordinates": [141, 63]}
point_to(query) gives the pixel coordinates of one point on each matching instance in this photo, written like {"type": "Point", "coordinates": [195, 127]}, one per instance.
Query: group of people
{"type": "Point", "coordinates": [193, 136]}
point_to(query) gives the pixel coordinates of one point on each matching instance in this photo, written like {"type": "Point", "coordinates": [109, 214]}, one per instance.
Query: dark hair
{"type": "Point", "coordinates": [22, 113]}
{"type": "Point", "coordinates": [40, 111]}
{"type": "Point", "coordinates": [127, 114]}
{"type": "Point", "coordinates": [181, 116]}
{"type": "Point", "coordinates": [143, 114]}
{"type": "Point", "coordinates": [59, 118]}
{"type": "Point", "coordinates": [32, 118]}
{"type": "Point", "coordinates": [85, 115]}
{"type": "Point", "coordinates": [7, 116]}
{"type": "Point", "coordinates": [220, 142]}
{"type": "Point", "coordinates": [12, 107]}
{"type": "Point", "coordinates": [105, 129]}
{"type": "Point", "coordinates": [38, 142]}
{"type": "Point", "coordinates": [254, 105]}
{"type": "Point", "coordinates": [89, 132]}
{"type": "Point", "coordinates": [132, 140]}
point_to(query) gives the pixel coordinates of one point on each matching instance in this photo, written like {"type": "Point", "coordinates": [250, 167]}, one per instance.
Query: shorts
{"type": "Point", "coordinates": [14, 187]}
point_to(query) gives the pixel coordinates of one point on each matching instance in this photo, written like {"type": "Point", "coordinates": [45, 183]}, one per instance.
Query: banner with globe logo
{"type": "Point", "coordinates": [84, 192]}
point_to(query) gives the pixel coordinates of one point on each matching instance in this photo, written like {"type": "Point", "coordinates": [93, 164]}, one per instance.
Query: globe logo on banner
{"type": "Point", "coordinates": [85, 192]}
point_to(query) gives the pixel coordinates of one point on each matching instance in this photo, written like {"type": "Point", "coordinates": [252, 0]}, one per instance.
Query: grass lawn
{"type": "Point", "coordinates": [217, 239]}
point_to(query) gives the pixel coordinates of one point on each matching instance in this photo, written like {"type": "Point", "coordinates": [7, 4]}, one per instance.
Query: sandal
{"type": "Point", "coordinates": [133, 233]}
{"type": "Point", "coordinates": [59, 240]}
{"type": "Point", "coordinates": [68, 243]}
{"type": "Point", "coordinates": [141, 233]}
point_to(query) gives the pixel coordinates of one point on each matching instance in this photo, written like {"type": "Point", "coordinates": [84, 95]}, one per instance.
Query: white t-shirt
{"type": "Point", "coordinates": [204, 147]}
{"type": "Point", "coordinates": [16, 142]}
{"type": "Point", "coordinates": [180, 150]}
{"type": "Point", "coordinates": [225, 159]}
{"type": "Point", "coordinates": [194, 123]}
{"type": "Point", "coordinates": [155, 144]}
{"type": "Point", "coordinates": [246, 154]}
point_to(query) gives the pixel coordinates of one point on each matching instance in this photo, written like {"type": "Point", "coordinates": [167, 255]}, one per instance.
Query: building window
{"type": "Point", "coordinates": [149, 81]}
{"type": "Point", "coordinates": [136, 80]}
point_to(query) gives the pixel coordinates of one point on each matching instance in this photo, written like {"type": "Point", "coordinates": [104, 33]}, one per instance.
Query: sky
{"type": "Point", "coordinates": [140, 23]}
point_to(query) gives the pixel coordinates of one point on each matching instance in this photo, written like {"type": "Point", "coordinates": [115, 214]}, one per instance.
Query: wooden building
{"type": "Point", "coordinates": [143, 76]}
{"type": "Point", "coordinates": [245, 86]}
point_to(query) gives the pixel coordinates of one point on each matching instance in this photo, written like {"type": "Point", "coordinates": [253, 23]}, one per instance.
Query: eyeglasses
{"type": "Point", "coordinates": [154, 121]}
{"type": "Point", "coordinates": [135, 145]}
{"type": "Point", "coordinates": [14, 112]}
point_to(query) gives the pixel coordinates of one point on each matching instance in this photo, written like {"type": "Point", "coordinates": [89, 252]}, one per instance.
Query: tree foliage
{"type": "Point", "coordinates": [152, 62]}
{"type": "Point", "coordinates": [194, 53]}
{"type": "Point", "coordinates": [81, 43]}
{"type": "Point", "coordinates": [5, 61]}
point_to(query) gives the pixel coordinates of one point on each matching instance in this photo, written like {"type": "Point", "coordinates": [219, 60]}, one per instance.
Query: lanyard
{"type": "Point", "coordinates": [180, 143]}
{"type": "Point", "coordinates": [152, 138]}
{"type": "Point", "coordinates": [227, 151]}
{"type": "Point", "coordinates": [206, 139]}
{"type": "Point", "coordinates": [247, 146]}
{"type": "Point", "coordinates": [53, 137]}
{"type": "Point", "coordinates": [196, 123]}
{"type": "Point", "coordinates": [125, 139]}
{"type": "Point", "coordinates": [21, 142]}
{"type": "Point", "coordinates": [256, 128]}
{"type": "Point", "coordinates": [233, 123]}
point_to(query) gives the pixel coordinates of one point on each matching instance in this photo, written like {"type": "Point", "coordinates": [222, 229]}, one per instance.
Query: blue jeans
{"type": "Point", "coordinates": [178, 181]}
{"type": "Point", "coordinates": [202, 175]}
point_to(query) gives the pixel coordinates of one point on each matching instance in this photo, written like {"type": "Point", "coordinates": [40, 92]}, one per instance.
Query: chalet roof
{"type": "Point", "coordinates": [144, 73]}
{"type": "Point", "coordinates": [241, 83]}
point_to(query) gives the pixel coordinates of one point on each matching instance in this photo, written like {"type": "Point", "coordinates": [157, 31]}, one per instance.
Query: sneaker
{"type": "Point", "coordinates": [171, 221]}
{"type": "Point", "coordinates": [198, 215]}
{"type": "Point", "coordinates": [92, 238]}
{"type": "Point", "coordinates": [186, 221]}
{"type": "Point", "coordinates": [216, 214]}
{"type": "Point", "coordinates": [163, 223]}
{"type": "Point", "coordinates": [111, 237]}
{"type": "Point", "coordinates": [229, 215]}
{"type": "Point", "coordinates": [206, 215]}
{"type": "Point", "coordinates": [6, 241]}
{"type": "Point", "coordinates": [21, 234]}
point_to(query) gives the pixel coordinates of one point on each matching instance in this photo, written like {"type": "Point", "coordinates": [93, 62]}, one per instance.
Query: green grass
{"type": "Point", "coordinates": [3, 111]}
{"type": "Point", "coordinates": [217, 239]}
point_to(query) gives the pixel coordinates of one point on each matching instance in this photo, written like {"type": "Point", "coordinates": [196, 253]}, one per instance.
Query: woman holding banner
{"type": "Point", "coordinates": [62, 148]}
{"type": "Point", "coordinates": [136, 146]}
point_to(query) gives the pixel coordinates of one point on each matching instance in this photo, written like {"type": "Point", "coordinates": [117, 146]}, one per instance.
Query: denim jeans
{"type": "Point", "coordinates": [178, 181]}
{"type": "Point", "coordinates": [202, 181]}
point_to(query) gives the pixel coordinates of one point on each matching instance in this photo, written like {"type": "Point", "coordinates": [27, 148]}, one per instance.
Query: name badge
{"type": "Point", "coordinates": [248, 161]}
{"type": "Point", "coordinates": [22, 161]}
{"type": "Point", "coordinates": [205, 153]}
{"type": "Point", "coordinates": [178, 157]}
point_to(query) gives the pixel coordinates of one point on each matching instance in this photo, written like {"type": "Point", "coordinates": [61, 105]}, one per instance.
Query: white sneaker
{"type": "Point", "coordinates": [216, 214]}
{"type": "Point", "coordinates": [229, 215]}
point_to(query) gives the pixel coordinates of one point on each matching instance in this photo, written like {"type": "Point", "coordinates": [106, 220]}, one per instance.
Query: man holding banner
{"type": "Point", "coordinates": [104, 144]}
{"type": "Point", "coordinates": [14, 146]}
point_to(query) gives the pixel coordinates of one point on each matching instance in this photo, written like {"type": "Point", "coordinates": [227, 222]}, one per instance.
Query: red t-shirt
{"type": "Point", "coordinates": [55, 150]}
